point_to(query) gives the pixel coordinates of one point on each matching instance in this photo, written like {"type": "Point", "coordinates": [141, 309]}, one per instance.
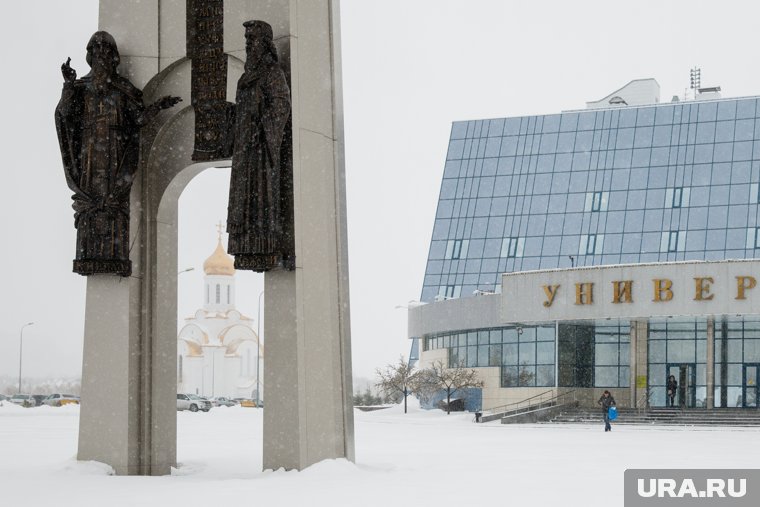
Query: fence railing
{"type": "Point", "coordinates": [547, 398]}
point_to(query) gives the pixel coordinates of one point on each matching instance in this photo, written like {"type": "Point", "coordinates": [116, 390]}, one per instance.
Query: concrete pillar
{"type": "Point", "coordinates": [710, 360]}
{"type": "Point", "coordinates": [639, 362]}
{"type": "Point", "coordinates": [308, 414]}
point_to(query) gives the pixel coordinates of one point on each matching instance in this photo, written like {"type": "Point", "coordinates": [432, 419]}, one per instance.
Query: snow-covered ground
{"type": "Point", "coordinates": [422, 458]}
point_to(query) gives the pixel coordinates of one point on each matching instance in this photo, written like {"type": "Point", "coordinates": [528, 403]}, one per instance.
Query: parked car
{"type": "Point", "coordinates": [221, 401]}
{"type": "Point", "coordinates": [192, 402]}
{"type": "Point", "coordinates": [58, 400]}
{"type": "Point", "coordinates": [4, 397]}
{"type": "Point", "coordinates": [25, 400]}
{"type": "Point", "coordinates": [38, 399]}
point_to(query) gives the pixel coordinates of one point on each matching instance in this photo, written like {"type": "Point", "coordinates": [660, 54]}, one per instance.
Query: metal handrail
{"type": "Point", "coordinates": [540, 402]}
{"type": "Point", "coordinates": [644, 400]}
{"type": "Point", "coordinates": [503, 408]}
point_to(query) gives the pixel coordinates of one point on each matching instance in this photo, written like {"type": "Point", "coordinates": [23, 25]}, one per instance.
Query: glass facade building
{"type": "Point", "coordinates": [627, 185]}
{"type": "Point", "coordinates": [676, 181]}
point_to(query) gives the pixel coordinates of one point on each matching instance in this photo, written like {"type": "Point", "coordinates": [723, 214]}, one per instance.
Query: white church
{"type": "Point", "coordinates": [217, 346]}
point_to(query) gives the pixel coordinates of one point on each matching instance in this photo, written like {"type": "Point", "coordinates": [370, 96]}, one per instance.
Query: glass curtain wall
{"type": "Point", "coordinates": [678, 345]}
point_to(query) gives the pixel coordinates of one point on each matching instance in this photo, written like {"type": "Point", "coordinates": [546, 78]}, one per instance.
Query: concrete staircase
{"type": "Point", "coordinates": [664, 416]}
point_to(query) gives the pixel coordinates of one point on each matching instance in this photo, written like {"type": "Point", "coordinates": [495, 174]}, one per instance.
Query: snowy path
{"type": "Point", "coordinates": [421, 459]}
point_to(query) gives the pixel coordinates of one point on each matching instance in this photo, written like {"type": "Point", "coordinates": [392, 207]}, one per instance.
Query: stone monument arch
{"type": "Point", "coordinates": [128, 414]}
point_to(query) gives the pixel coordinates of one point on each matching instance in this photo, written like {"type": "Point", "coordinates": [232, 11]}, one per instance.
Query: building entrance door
{"type": "Point", "coordinates": [750, 385]}
{"type": "Point", "coordinates": [686, 376]}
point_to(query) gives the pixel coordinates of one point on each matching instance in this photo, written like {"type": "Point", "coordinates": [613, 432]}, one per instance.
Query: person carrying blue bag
{"type": "Point", "coordinates": [607, 402]}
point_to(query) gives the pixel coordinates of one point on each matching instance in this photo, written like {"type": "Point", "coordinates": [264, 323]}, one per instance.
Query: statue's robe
{"type": "Point", "coordinates": [99, 133]}
{"type": "Point", "coordinates": [259, 219]}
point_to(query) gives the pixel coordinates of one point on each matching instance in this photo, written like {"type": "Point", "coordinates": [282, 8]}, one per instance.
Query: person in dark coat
{"type": "Point", "coordinates": [606, 401]}
{"type": "Point", "coordinates": [672, 389]}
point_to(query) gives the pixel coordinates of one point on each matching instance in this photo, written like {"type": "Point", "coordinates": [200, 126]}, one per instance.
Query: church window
{"type": "Point", "coordinates": [207, 294]}
{"type": "Point", "coordinates": [218, 294]}
{"type": "Point", "coordinates": [228, 294]}
{"type": "Point", "coordinates": [179, 369]}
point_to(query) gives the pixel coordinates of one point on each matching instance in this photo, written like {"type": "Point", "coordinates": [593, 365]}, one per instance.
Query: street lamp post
{"type": "Point", "coordinates": [258, 350]}
{"type": "Point", "coordinates": [21, 352]}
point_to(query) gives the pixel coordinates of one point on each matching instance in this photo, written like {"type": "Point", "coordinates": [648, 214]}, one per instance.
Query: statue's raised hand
{"type": "Point", "coordinates": [69, 74]}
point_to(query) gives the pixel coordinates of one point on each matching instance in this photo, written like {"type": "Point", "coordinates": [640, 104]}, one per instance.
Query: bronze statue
{"type": "Point", "coordinates": [98, 119]}
{"type": "Point", "coordinates": [260, 213]}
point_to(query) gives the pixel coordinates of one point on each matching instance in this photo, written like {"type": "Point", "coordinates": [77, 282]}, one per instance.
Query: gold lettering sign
{"type": "Point", "coordinates": [744, 283]}
{"type": "Point", "coordinates": [584, 293]}
{"type": "Point", "coordinates": [702, 288]}
{"type": "Point", "coordinates": [662, 289]}
{"type": "Point", "coordinates": [622, 291]}
{"type": "Point", "coordinates": [551, 292]}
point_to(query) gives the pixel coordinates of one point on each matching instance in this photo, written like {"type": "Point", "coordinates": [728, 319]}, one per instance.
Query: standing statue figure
{"type": "Point", "coordinates": [98, 119]}
{"type": "Point", "coordinates": [260, 213]}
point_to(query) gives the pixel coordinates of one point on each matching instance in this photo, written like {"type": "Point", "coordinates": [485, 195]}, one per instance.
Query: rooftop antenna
{"type": "Point", "coordinates": [695, 80]}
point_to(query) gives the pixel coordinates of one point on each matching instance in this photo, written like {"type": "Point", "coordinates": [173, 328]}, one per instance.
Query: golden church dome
{"type": "Point", "coordinates": [219, 263]}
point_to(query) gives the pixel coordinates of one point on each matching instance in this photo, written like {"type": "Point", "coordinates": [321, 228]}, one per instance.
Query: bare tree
{"type": "Point", "coordinates": [396, 379]}
{"type": "Point", "coordinates": [450, 379]}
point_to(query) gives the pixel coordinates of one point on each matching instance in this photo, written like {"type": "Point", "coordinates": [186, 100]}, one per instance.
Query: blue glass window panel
{"type": "Point", "coordinates": [641, 157]}
{"type": "Point", "coordinates": [512, 126]}
{"type": "Point", "coordinates": [495, 226]}
{"type": "Point", "coordinates": [448, 188]}
{"type": "Point", "coordinates": [575, 202]}
{"type": "Point", "coordinates": [707, 111]}
{"type": "Point", "coordinates": [745, 108]}
{"type": "Point", "coordinates": [485, 189]}
{"type": "Point", "coordinates": [620, 179]}
{"type": "Point", "coordinates": [493, 146]}
{"type": "Point", "coordinates": [479, 227]}
{"type": "Point", "coordinates": [632, 243]}
{"type": "Point", "coordinates": [499, 206]}
{"type": "Point", "coordinates": [740, 172]}
{"type": "Point", "coordinates": [653, 220]}
{"type": "Point", "coordinates": [726, 110]}
{"type": "Point", "coordinates": [508, 146]}
{"type": "Point", "coordinates": [554, 223]}
{"type": "Point", "coordinates": [661, 135]}
{"type": "Point", "coordinates": [639, 177]}
{"type": "Point", "coordinates": [501, 186]}
{"type": "Point", "coordinates": [441, 229]}
{"type": "Point", "coordinates": [739, 194]}
{"type": "Point", "coordinates": [492, 248]}
{"type": "Point", "coordinates": [723, 152]}
{"type": "Point", "coordinates": [451, 169]}
{"type": "Point", "coordinates": [612, 243]}
{"type": "Point", "coordinates": [551, 245]}
{"type": "Point", "coordinates": [705, 133]}
{"type": "Point", "coordinates": [697, 217]}
{"type": "Point", "coordinates": [578, 181]}
{"type": "Point", "coordinates": [716, 239]}
{"type": "Point", "coordinates": [565, 142]}
{"type": "Point", "coordinates": [627, 117]}
{"type": "Point", "coordinates": [737, 216]}
{"type": "Point", "coordinates": [489, 167]}
{"type": "Point", "coordinates": [624, 138]}
{"type": "Point", "coordinates": [506, 166]}
{"type": "Point", "coordinates": [616, 200]}
{"type": "Point", "coordinates": [459, 130]}
{"type": "Point", "coordinates": [622, 159]}
{"type": "Point", "coordinates": [495, 127]}
{"type": "Point", "coordinates": [570, 243]}
{"type": "Point", "coordinates": [645, 116]}
{"type": "Point", "coordinates": [437, 250]}
{"type": "Point", "coordinates": [568, 122]}
{"type": "Point", "coordinates": [472, 266]}
{"type": "Point", "coordinates": [545, 164]}
{"type": "Point", "coordinates": [736, 238]}
{"type": "Point", "coordinates": [724, 131]}
{"type": "Point", "coordinates": [701, 175]}
{"type": "Point", "coordinates": [643, 137]}
{"type": "Point", "coordinates": [703, 153]}
{"type": "Point", "coordinates": [583, 141]}
{"type": "Point", "coordinates": [581, 161]}
{"type": "Point", "coordinates": [744, 130]}
{"type": "Point", "coordinates": [490, 265]}
{"type": "Point", "coordinates": [717, 217]}
{"type": "Point", "coordinates": [539, 203]}
{"type": "Point", "coordinates": [659, 157]}
{"type": "Point", "coordinates": [542, 184]}
{"type": "Point", "coordinates": [636, 199]}
{"type": "Point", "coordinates": [445, 209]}
{"type": "Point", "coordinates": [536, 224]}
{"type": "Point", "coordinates": [548, 143]}
{"type": "Point", "coordinates": [664, 115]}
{"type": "Point", "coordinates": [615, 221]}
{"type": "Point", "coordinates": [756, 151]}
{"type": "Point", "coordinates": [655, 198]}
{"type": "Point", "coordinates": [650, 242]}
{"type": "Point", "coordinates": [742, 151]}
{"type": "Point", "coordinates": [719, 195]}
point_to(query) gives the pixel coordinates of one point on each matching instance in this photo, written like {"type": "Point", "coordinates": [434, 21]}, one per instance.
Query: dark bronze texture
{"type": "Point", "coordinates": [98, 120]}
{"type": "Point", "coordinates": [208, 78]}
{"type": "Point", "coordinates": [260, 212]}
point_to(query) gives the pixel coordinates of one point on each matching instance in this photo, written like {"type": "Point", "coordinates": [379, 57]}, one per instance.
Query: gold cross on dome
{"type": "Point", "coordinates": [219, 230]}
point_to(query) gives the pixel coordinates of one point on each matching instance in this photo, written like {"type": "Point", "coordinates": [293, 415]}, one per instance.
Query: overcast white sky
{"type": "Point", "coordinates": [411, 67]}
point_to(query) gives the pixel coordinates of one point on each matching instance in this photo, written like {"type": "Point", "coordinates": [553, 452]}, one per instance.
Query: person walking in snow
{"type": "Point", "coordinates": [606, 401]}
